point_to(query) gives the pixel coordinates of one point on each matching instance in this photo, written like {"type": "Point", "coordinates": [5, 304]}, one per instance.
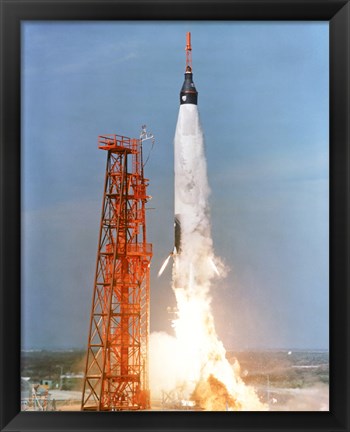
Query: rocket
{"type": "Point", "coordinates": [188, 96]}
{"type": "Point", "coordinates": [192, 243]}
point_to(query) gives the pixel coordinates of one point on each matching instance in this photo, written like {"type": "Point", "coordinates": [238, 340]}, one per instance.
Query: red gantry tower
{"type": "Point", "coordinates": [116, 373]}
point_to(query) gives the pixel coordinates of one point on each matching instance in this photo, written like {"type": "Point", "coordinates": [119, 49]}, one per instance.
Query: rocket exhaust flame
{"type": "Point", "coordinates": [195, 358]}
{"type": "Point", "coordinates": [165, 263]}
{"type": "Point", "coordinates": [211, 261]}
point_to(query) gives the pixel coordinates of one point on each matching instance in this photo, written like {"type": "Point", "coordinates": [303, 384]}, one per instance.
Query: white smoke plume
{"type": "Point", "coordinates": [194, 360]}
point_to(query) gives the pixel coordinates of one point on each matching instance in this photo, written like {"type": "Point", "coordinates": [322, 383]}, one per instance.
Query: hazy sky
{"type": "Point", "coordinates": [263, 102]}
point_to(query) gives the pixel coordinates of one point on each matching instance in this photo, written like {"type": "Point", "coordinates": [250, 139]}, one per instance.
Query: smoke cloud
{"type": "Point", "coordinates": [315, 398]}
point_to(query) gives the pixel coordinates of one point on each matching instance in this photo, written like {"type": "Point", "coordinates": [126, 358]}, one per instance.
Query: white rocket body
{"type": "Point", "coordinates": [192, 225]}
{"type": "Point", "coordinates": [191, 188]}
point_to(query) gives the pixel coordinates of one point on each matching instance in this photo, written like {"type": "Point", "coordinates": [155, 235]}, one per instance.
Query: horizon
{"type": "Point", "coordinates": [228, 350]}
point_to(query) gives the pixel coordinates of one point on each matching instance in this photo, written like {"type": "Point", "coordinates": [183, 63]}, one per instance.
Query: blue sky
{"type": "Point", "coordinates": [263, 102]}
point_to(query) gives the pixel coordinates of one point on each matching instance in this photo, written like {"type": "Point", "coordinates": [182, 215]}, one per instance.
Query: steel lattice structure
{"type": "Point", "coordinates": [116, 373]}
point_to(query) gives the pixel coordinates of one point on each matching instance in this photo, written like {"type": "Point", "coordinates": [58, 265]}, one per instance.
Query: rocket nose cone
{"type": "Point", "coordinates": [188, 93]}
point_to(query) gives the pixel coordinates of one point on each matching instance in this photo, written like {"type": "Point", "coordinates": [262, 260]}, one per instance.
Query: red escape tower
{"type": "Point", "coordinates": [116, 373]}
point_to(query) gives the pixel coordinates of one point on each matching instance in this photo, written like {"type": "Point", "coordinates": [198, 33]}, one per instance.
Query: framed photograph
{"type": "Point", "coordinates": [174, 215]}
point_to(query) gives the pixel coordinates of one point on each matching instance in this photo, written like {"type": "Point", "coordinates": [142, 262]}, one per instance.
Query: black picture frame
{"type": "Point", "coordinates": [337, 12]}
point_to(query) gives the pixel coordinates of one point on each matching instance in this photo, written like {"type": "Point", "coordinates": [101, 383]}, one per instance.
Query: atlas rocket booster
{"type": "Point", "coordinates": [189, 97]}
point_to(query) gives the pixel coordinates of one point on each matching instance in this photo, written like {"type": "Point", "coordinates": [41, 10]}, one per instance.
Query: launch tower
{"type": "Point", "coordinates": [116, 373]}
